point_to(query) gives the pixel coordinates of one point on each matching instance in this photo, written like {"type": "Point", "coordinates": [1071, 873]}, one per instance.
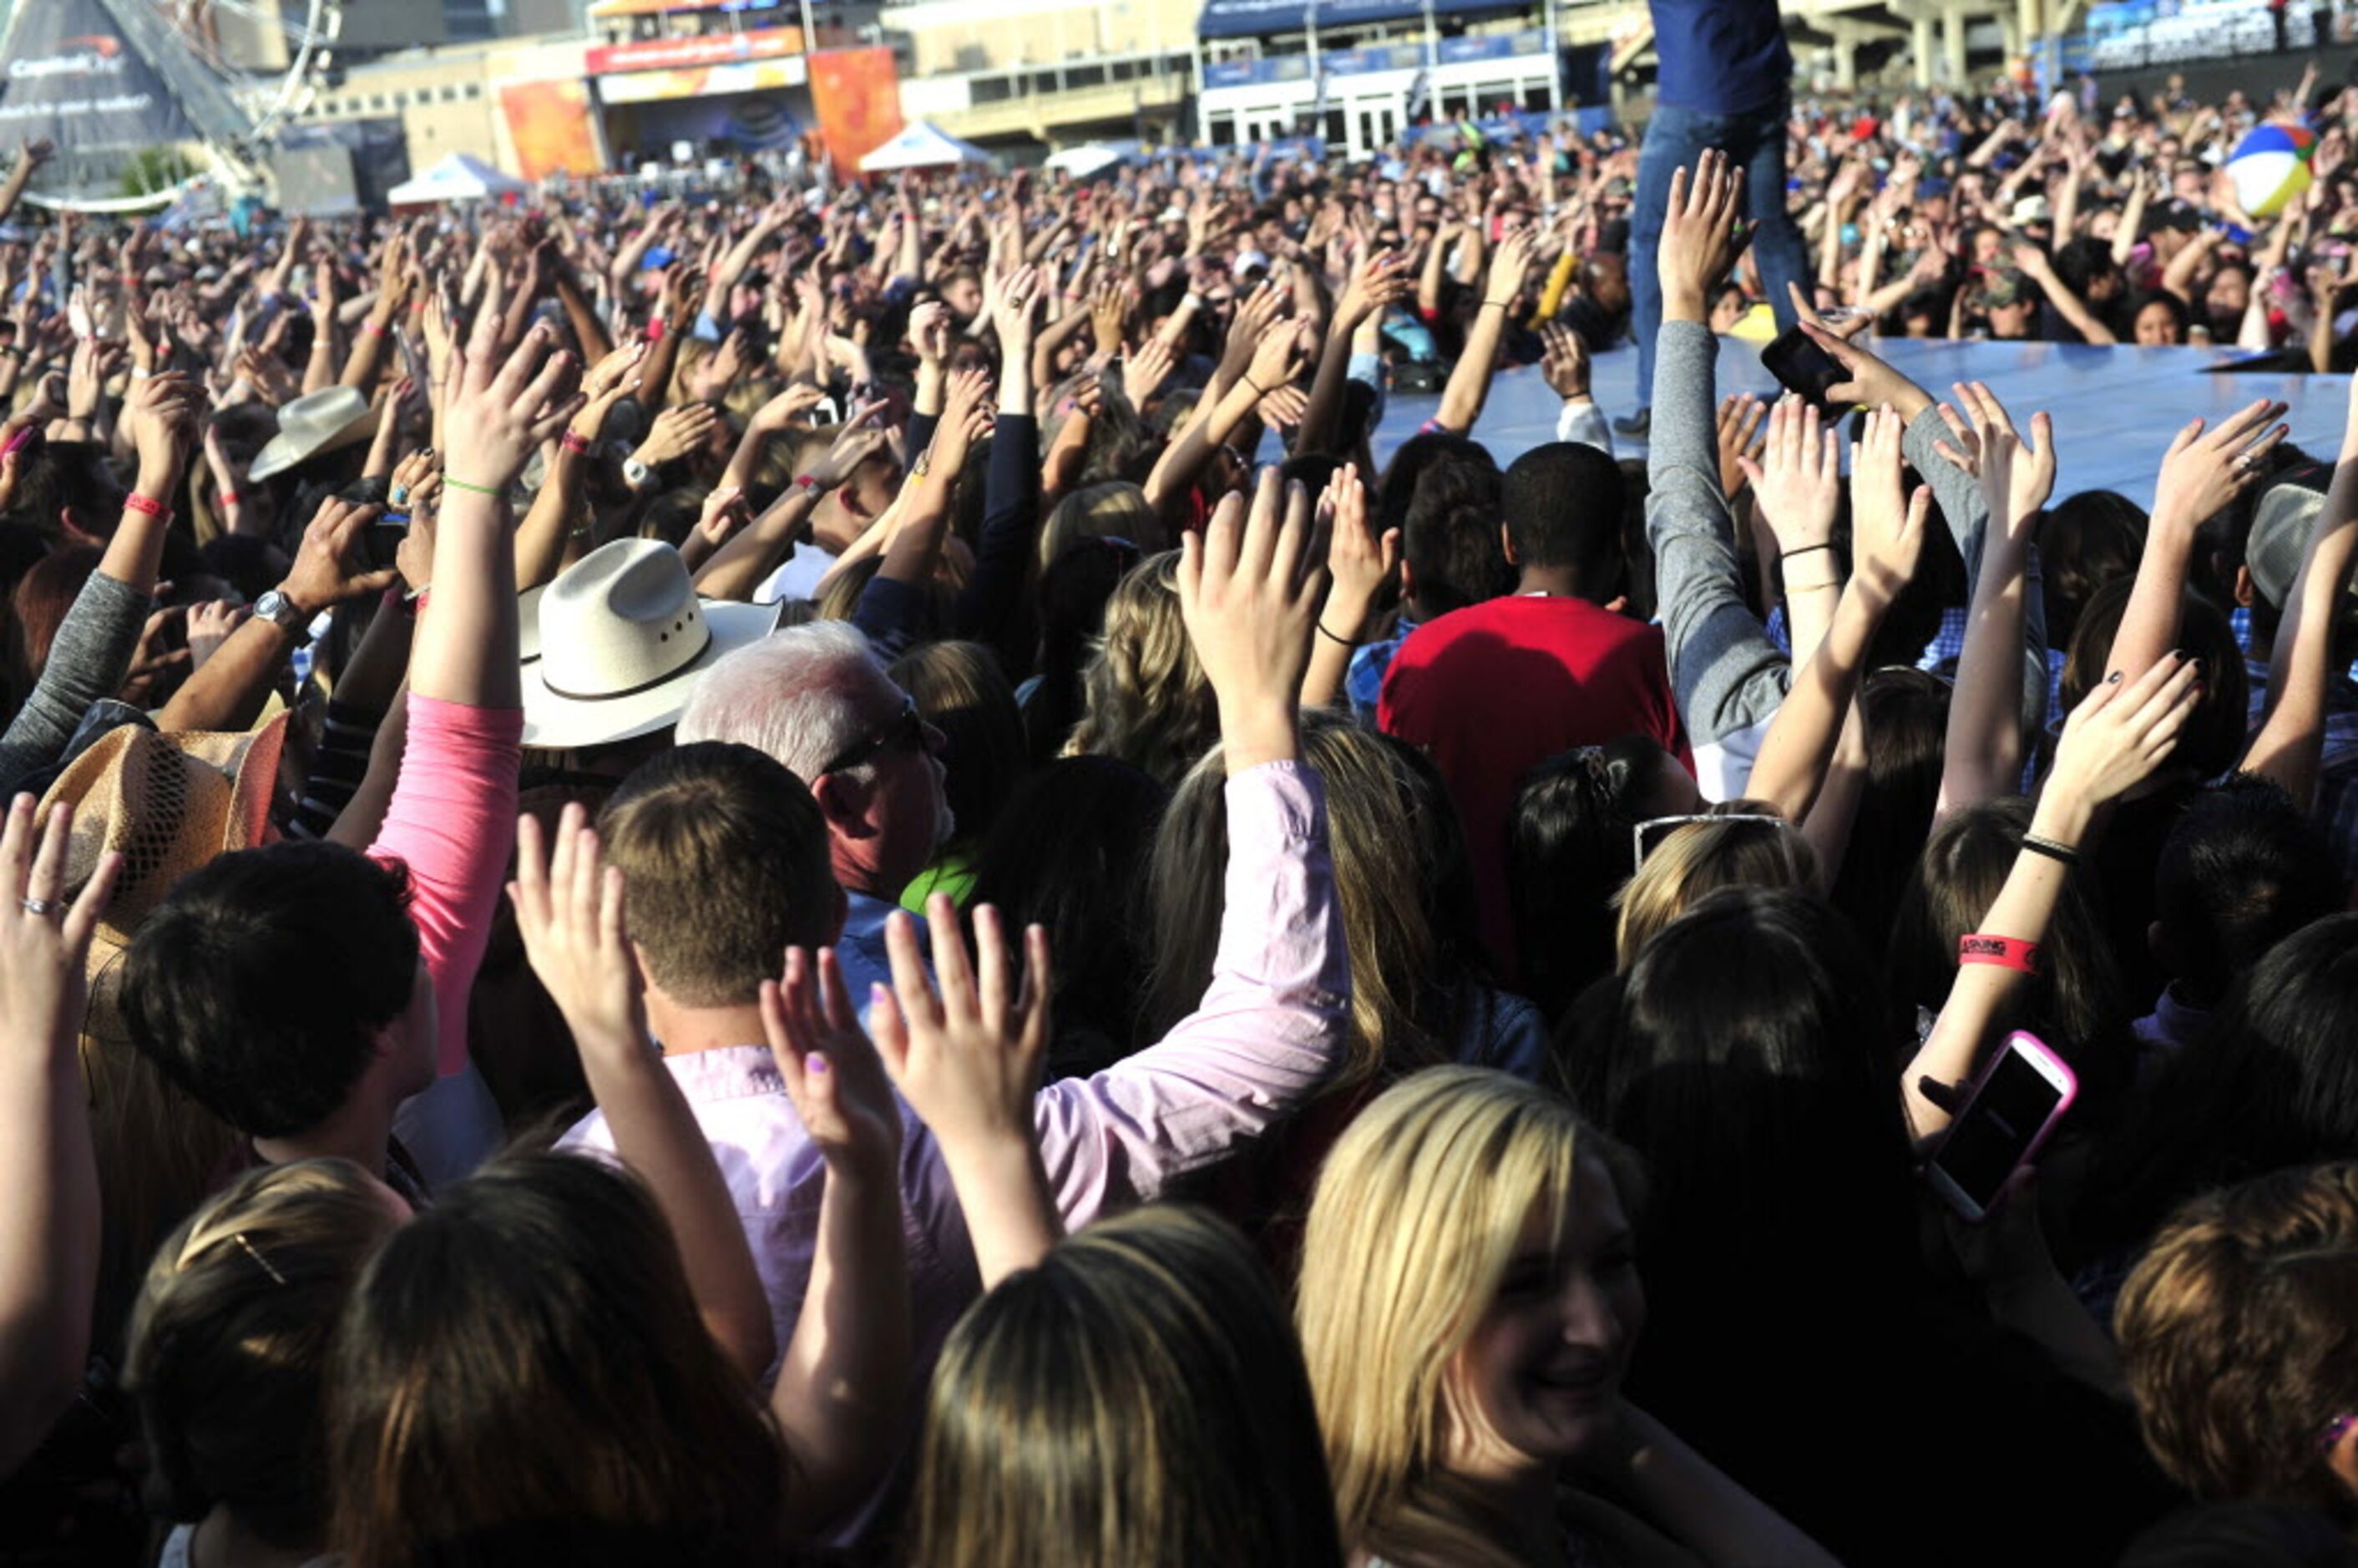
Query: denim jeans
{"type": "Point", "coordinates": [1674, 139]}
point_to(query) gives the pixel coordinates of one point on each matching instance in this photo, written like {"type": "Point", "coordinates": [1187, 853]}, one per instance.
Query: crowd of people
{"type": "Point", "coordinates": [830, 876]}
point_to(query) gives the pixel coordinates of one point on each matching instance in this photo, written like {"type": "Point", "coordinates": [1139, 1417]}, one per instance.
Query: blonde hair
{"type": "Point", "coordinates": [1137, 1400]}
{"type": "Point", "coordinates": [1148, 701]}
{"type": "Point", "coordinates": [1412, 1231]}
{"type": "Point", "coordinates": [1113, 508]}
{"type": "Point", "coordinates": [1700, 858]}
{"type": "Point", "coordinates": [230, 1342]}
{"type": "Point", "coordinates": [1390, 830]}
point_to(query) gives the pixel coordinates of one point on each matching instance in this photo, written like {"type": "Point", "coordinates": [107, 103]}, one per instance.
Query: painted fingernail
{"type": "Point", "coordinates": [818, 1063]}
{"type": "Point", "coordinates": [2112, 679]}
{"type": "Point", "coordinates": [876, 993]}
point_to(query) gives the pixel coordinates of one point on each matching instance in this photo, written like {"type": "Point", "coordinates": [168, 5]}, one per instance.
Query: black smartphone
{"type": "Point", "coordinates": [1803, 367]}
{"type": "Point", "coordinates": [381, 540]}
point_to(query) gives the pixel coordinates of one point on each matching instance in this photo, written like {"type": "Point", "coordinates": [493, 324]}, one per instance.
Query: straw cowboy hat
{"type": "Point", "coordinates": [317, 422]}
{"type": "Point", "coordinates": [169, 804]}
{"type": "Point", "coordinates": [623, 640]}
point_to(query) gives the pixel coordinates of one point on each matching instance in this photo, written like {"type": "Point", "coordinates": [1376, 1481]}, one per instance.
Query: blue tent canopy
{"type": "Point", "coordinates": [1257, 18]}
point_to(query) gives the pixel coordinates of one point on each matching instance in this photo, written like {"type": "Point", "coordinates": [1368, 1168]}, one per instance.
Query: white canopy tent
{"type": "Point", "coordinates": [1095, 159]}
{"type": "Point", "coordinates": [456, 178]}
{"type": "Point", "coordinates": [921, 145]}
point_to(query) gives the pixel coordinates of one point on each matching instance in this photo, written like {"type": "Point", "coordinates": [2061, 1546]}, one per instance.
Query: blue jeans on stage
{"type": "Point", "coordinates": [1674, 139]}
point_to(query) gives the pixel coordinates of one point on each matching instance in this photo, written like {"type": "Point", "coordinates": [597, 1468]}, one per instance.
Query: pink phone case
{"type": "Point", "coordinates": [2053, 1067]}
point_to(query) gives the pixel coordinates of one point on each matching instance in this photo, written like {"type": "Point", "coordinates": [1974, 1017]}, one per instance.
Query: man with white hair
{"type": "Point", "coordinates": [815, 698]}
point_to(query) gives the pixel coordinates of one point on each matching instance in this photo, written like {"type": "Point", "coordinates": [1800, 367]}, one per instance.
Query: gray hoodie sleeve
{"type": "Point", "coordinates": [1726, 673]}
{"type": "Point", "coordinates": [1960, 496]}
{"type": "Point", "coordinates": [87, 660]}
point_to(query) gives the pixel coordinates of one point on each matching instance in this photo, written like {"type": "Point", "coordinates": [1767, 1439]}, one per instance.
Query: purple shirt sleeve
{"type": "Point", "coordinates": [451, 822]}
{"type": "Point", "coordinates": [1270, 1031]}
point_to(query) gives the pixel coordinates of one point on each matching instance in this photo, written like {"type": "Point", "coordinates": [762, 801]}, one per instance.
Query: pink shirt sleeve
{"type": "Point", "coordinates": [1272, 1028]}
{"type": "Point", "coordinates": [451, 822]}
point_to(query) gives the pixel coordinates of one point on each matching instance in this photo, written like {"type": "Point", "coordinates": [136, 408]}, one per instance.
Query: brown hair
{"type": "Point", "coordinates": [229, 1348]}
{"type": "Point", "coordinates": [962, 692]}
{"type": "Point", "coordinates": [522, 1367]}
{"type": "Point", "coordinates": [1700, 858]}
{"type": "Point", "coordinates": [724, 855]}
{"type": "Point", "coordinates": [2214, 733]}
{"type": "Point", "coordinates": [1136, 1400]}
{"type": "Point", "coordinates": [43, 597]}
{"type": "Point", "coordinates": [2239, 1332]}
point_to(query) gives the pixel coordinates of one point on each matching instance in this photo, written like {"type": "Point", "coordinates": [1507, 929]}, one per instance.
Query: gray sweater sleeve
{"type": "Point", "coordinates": [1960, 496]}
{"type": "Point", "coordinates": [1726, 673]}
{"type": "Point", "coordinates": [88, 661]}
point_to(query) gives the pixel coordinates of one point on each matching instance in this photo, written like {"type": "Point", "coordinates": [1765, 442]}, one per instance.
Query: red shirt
{"type": "Point", "coordinates": [1491, 690]}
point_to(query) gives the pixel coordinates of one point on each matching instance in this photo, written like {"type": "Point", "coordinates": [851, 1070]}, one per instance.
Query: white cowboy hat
{"type": "Point", "coordinates": [315, 422]}
{"type": "Point", "coordinates": [623, 640]}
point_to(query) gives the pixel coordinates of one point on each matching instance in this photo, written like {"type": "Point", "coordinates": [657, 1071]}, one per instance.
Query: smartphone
{"type": "Point", "coordinates": [1803, 367]}
{"type": "Point", "coordinates": [381, 540]}
{"type": "Point", "coordinates": [2013, 1105]}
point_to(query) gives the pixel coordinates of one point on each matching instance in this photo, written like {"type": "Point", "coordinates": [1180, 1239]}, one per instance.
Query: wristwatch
{"type": "Point", "coordinates": [281, 612]}
{"type": "Point", "coordinates": [636, 473]}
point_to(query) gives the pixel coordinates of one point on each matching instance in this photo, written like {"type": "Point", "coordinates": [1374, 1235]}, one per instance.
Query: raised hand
{"type": "Point", "coordinates": [966, 419]}
{"type": "Point", "coordinates": [967, 1057]}
{"type": "Point", "coordinates": [2122, 731]}
{"type": "Point", "coordinates": [1250, 328]}
{"type": "Point", "coordinates": [1702, 235]}
{"type": "Point", "coordinates": [568, 911]}
{"type": "Point", "coordinates": [44, 940]}
{"type": "Point", "coordinates": [831, 1070]}
{"type": "Point", "coordinates": [210, 626]}
{"type": "Point", "coordinates": [2016, 478]}
{"type": "Point", "coordinates": [860, 438]}
{"type": "Point", "coordinates": [1564, 361]}
{"type": "Point", "coordinates": [1510, 264]}
{"type": "Point", "coordinates": [929, 333]}
{"type": "Point", "coordinates": [1740, 421]}
{"type": "Point", "coordinates": [1250, 589]}
{"type": "Point", "coordinates": [502, 407]}
{"type": "Point", "coordinates": [1872, 380]}
{"type": "Point", "coordinates": [1276, 359]}
{"type": "Point", "coordinates": [1886, 526]}
{"type": "Point", "coordinates": [328, 566]}
{"type": "Point", "coordinates": [677, 431]}
{"type": "Point", "coordinates": [1146, 369]}
{"type": "Point", "coordinates": [1380, 281]}
{"type": "Point", "coordinates": [162, 416]}
{"type": "Point", "coordinates": [1798, 479]}
{"type": "Point", "coordinates": [2206, 469]}
{"type": "Point", "coordinates": [1360, 562]}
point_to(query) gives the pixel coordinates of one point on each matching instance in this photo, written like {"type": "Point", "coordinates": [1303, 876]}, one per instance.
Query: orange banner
{"type": "Point", "coordinates": [551, 123]}
{"type": "Point", "coordinates": [857, 93]}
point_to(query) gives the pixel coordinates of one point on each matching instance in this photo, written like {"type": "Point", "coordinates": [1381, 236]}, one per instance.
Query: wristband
{"type": "Point", "coordinates": [1258, 390]}
{"type": "Point", "coordinates": [1804, 550]}
{"type": "Point", "coordinates": [15, 351]}
{"type": "Point", "coordinates": [2006, 952]}
{"type": "Point", "coordinates": [1347, 641]}
{"type": "Point", "coordinates": [2063, 853]}
{"type": "Point", "coordinates": [575, 444]}
{"type": "Point", "coordinates": [810, 481]}
{"type": "Point", "coordinates": [478, 488]}
{"type": "Point", "coordinates": [135, 502]}
{"type": "Point", "coordinates": [230, 498]}
{"type": "Point", "coordinates": [371, 324]}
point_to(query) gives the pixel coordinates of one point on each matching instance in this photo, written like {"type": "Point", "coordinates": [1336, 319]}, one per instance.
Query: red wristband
{"type": "Point", "coordinates": [575, 443]}
{"type": "Point", "coordinates": [808, 481]}
{"type": "Point", "coordinates": [2006, 952]}
{"type": "Point", "coordinates": [231, 498]}
{"type": "Point", "coordinates": [371, 324]}
{"type": "Point", "coordinates": [135, 502]}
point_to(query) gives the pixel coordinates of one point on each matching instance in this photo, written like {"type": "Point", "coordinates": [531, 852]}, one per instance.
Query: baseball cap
{"type": "Point", "coordinates": [2282, 525]}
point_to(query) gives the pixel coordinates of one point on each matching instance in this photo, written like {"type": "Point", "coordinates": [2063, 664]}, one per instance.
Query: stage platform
{"type": "Point", "coordinates": [2115, 410]}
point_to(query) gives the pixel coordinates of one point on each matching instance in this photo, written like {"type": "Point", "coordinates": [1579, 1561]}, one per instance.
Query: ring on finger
{"type": "Point", "coordinates": [39, 907]}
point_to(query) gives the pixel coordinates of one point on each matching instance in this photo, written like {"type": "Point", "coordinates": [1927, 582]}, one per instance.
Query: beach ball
{"type": "Point", "coordinates": [2270, 169]}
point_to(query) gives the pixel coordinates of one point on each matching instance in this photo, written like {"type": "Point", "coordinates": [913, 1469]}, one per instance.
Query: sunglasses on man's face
{"type": "Point", "coordinates": [907, 730]}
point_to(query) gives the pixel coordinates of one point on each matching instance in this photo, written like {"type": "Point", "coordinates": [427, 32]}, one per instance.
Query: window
{"type": "Point", "coordinates": [377, 102]}
{"type": "Point", "coordinates": [474, 90]}
{"type": "Point", "coordinates": [449, 93]}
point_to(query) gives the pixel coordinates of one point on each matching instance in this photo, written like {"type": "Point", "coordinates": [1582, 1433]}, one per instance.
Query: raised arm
{"type": "Point", "coordinates": [2202, 472]}
{"type": "Point", "coordinates": [967, 1060]}
{"type": "Point", "coordinates": [739, 568]}
{"type": "Point", "coordinates": [1725, 672]}
{"type": "Point", "coordinates": [1377, 284]}
{"type": "Point", "coordinates": [49, 1165]}
{"type": "Point", "coordinates": [1982, 754]}
{"type": "Point", "coordinates": [838, 1398]}
{"type": "Point", "coordinates": [2290, 745]}
{"type": "Point", "coordinates": [1886, 535]}
{"type": "Point", "coordinates": [1276, 357]}
{"type": "Point", "coordinates": [2068, 305]}
{"type": "Point", "coordinates": [2113, 741]}
{"type": "Point", "coordinates": [30, 156]}
{"type": "Point", "coordinates": [1273, 1025]}
{"type": "Point", "coordinates": [1469, 381]}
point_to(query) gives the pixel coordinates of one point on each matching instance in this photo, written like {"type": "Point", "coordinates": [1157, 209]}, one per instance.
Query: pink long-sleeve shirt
{"type": "Point", "coordinates": [1272, 1028]}
{"type": "Point", "coordinates": [451, 821]}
